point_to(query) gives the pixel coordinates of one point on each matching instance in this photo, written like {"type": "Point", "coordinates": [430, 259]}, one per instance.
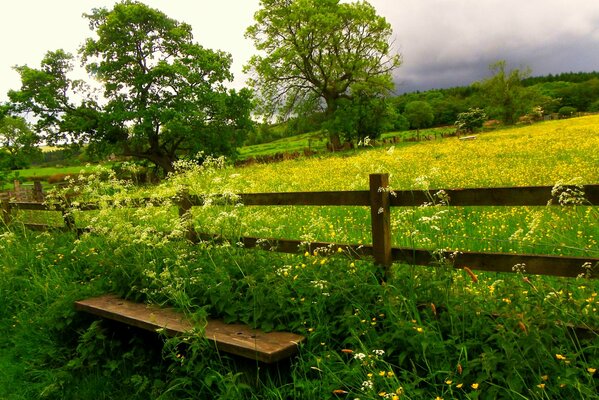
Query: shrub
{"type": "Point", "coordinates": [566, 112]}
{"type": "Point", "coordinates": [470, 120]}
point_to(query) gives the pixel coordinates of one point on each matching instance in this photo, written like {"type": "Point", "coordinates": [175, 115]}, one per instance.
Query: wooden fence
{"type": "Point", "coordinates": [24, 193]}
{"type": "Point", "coordinates": [380, 200]}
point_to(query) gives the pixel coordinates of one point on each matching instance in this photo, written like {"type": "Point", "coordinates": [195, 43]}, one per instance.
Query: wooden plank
{"type": "Point", "coordinates": [507, 196]}
{"type": "Point", "coordinates": [338, 198]}
{"type": "Point", "coordinates": [35, 206]}
{"type": "Point", "coordinates": [293, 246]}
{"type": "Point", "coordinates": [380, 216]}
{"type": "Point", "coordinates": [46, 227]}
{"type": "Point", "coordinates": [236, 339]}
{"type": "Point", "coordinates": [501, 262]}
{"type": "Point", "coordinates": [491, 262]}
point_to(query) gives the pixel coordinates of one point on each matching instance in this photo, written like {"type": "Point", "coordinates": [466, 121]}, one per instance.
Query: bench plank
{"type": "Point", "coordinates": [236, 339]}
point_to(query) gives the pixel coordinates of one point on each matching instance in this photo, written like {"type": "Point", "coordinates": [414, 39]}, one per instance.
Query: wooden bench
{"type": "Point", "coordinates": [235, 339]}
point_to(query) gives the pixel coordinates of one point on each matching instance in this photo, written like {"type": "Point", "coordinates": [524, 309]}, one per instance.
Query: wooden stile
{"type": "Point", "coordinates": [235, 339]}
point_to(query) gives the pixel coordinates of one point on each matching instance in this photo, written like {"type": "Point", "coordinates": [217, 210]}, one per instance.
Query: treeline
{"type": "Point", "coordinates": [530, 99]}
{"type": "Point", "coordinates": [579, 92]}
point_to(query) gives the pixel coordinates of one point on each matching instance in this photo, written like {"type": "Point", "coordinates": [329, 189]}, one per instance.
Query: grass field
{"type": "Point", "coordinates": [317, 141]}
{"type": "Point", "coordinates": [429, 333]}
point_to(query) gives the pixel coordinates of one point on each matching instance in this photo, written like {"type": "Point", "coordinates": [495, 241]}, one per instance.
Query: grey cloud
{"type": "Point", "coordinates": [452, 42]}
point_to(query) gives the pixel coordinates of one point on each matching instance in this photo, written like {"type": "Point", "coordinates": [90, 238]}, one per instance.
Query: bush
{"type": "Point", "coordinates": [470, 120]}
{"type": "Point", "coordinates": [566, 112]}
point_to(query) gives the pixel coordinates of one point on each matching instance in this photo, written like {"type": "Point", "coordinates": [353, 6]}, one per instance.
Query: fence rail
{"type": "Point", "coordinates": [380, 199]}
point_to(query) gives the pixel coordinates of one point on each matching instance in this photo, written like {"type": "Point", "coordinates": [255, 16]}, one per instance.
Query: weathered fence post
{"type": "Point", "coordinates": [380, 214]}
{"type": "Point", "coordinates": [185, 206]}
{"type": "Point", "coordinates": [18, 194]}
{"type": "Point", "coordinates": [6, 211]}
{"type": "Point", "coordinates": [38, 193]}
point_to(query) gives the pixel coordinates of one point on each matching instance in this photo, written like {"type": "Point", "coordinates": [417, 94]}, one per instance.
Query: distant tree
{"type": "Point", "coordinates": [470, 120]}
{"type": "Point", "coordinates": [163, 94]}
{"type": "Point", "coordinates": [594, 106]}
{"type": "Point", "coordinates": [420, 114]}
{"type": "Point", "coordinates": [17, 143]}
{"type": "Point", "coordinates": [504, 95]}
{"type": "Point", "coordinates": [401, 123]}
{"type": "Point", "coordinates": [566, 112]}
{"type": "Point", "coordinates": [314, 53]}
{"type": "Point", "coordinates": [360, 117]}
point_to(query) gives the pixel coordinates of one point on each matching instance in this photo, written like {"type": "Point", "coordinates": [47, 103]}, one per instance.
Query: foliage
{"type": "Point", "coordinates": [17, 143]}
{"type": "Point", "coordinates": [470, 120]}
{"type": "Point", "coordinates": [566, 111]}
{"type": "Point", "coordinates": [360, 117]}
{"type": "Point", "coordinates": [50, 95]}
{"type": "Point", "coordinates": [573, 77]}
{"type": "Point", "coordinates": [401, 123]}
{"type": "Point", "coordinates": [504, 96]}
{"type": "Point", "coordinates": [164, 94]}
{"type": "Point", "coordinates": [315, 52]}
{"type": "Point", "coordinates": [420, 114]}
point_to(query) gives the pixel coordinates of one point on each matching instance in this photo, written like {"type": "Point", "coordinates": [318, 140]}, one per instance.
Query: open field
{"type": "Point", "coordinates": [430, 332]}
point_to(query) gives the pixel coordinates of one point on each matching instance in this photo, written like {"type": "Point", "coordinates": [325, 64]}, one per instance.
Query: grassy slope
{"type": "Point", "coordinates": [540, 154]}
{"type": "Point", "coordinates": [316, 141]}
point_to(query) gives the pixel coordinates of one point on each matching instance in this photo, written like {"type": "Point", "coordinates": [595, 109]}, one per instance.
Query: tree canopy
{"type": "Point", "coordinates": [17, 143]}
{"type": "Point", "coordinates": [315, 52]}
{"type": "Point", "coordinates": [163, 94]}
{"type": "Point", "coordinates": [420, 114]}
{"type": "Point", "coordinates": [505, 97]}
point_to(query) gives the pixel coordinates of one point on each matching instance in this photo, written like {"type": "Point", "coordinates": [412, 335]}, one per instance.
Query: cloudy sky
{"type": "Point", "coordinates": [443, 43]}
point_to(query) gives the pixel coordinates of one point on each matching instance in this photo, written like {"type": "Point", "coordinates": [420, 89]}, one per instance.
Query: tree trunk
{"type": "Point", "coordinates": [163, 162]}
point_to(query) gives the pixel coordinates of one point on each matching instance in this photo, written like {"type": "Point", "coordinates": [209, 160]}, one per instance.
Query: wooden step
{"type": "Point", "coordinates": [236, 339]}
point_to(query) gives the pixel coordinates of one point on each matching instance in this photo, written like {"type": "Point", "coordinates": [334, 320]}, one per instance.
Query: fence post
{"type": "Point", "coordinates": [6, 211]}
{"type": "Point", "coordinates": [185, 206]}
{"type": "Point", "coordinates": [38, 193]}
{"type": "Point", "coordinates": [380, 214]}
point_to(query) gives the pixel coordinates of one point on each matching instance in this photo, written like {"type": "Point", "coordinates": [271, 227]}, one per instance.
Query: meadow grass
{"type": "Point", "coordinates": [429, 332]}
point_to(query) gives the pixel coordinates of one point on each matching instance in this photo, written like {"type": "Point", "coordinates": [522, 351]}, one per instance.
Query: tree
{"type": "Point", "coordinates": [315, 52]}
{"type": "Point", "coordinates": [505, 96]}
{"type": "Point", "coordinates": [360, 117]}
{"type": "Point", "coordinates": [163, 94]}
{"type": "Point", "coordinates": [17, 143]}
{"type": "Point", "coordinates": [420, 114]}
{"type": "Point", "coordinates": [470, 120]}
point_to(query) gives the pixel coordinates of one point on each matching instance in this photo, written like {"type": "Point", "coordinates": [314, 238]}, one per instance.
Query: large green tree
{"type": "Point", "coordinates": [312, 53]}
{"type": "Point", "coordinates": [163, 94]}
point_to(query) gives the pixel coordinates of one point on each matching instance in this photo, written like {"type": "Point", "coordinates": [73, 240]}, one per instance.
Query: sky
{"type": "Point", "coordinates": [443, 43]}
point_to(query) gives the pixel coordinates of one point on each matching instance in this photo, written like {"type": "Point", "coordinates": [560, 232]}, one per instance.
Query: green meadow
{"type": "Point", "coordinates": [428, 333]}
